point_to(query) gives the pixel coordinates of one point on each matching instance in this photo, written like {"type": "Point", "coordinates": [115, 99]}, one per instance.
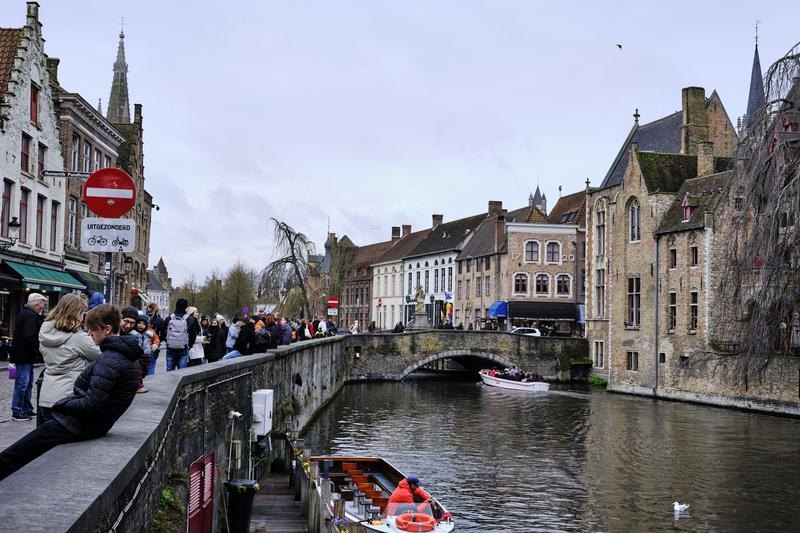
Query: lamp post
{"type": "Point", "coordinates": [282, 294]}
{"type": "Point", "coordinates": [13, 230]}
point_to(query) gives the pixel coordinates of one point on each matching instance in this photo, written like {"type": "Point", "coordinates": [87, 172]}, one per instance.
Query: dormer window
{"type": "Point", "coordinates": [688, 208]}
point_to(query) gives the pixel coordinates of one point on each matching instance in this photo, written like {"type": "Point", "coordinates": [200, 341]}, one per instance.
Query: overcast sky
{"type": "Point", "coordinates": [377, 113]}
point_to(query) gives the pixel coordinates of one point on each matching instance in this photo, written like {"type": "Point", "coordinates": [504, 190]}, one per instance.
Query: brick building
{"type": "Point", "coordinates": [88, 142]}
{"type": "Point", "coordinates": [623, 215]}
{"type": "Point", "coordinates": [355, 302]}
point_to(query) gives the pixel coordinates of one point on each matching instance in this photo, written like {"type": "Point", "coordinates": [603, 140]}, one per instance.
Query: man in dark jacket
{"type": "Point", "coordinates": [24, 354]}
{"type": "Point", "coordinates": [102, 393]}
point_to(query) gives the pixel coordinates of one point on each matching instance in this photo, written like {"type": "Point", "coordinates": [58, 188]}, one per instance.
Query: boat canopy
{"type": "Point", "coordinates": [543, 310]}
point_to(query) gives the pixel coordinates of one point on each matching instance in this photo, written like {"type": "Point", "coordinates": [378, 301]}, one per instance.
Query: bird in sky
{"type": "Point", "coordinates": [619, 46]}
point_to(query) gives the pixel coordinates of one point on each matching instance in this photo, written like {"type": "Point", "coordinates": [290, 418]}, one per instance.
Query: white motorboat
{"type": "Point", "coordinates": [530, 386]}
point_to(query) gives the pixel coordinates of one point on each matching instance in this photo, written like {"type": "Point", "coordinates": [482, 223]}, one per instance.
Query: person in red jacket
{"type": "Point", "coordinates": [408, 496]}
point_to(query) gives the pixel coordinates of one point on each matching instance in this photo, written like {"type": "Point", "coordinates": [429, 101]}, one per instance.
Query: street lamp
{"type": "Point", "coordinates": [13, 230]}
{"type": "Point", "coordinates": [127, 264]}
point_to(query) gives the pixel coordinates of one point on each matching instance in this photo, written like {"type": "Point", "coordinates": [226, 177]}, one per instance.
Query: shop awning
{"type": "Point", "coordinates": [498, 310]}
{"type": "Point", "coordinates": [543, 310]}
{"type": "Point", "coordinates": [45, 279]}
{"type": "Point", "coordinates": [92, 282]}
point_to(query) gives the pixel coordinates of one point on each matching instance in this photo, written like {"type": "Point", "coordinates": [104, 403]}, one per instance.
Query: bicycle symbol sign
{"type": "Point", "coordinates": [108, 235]}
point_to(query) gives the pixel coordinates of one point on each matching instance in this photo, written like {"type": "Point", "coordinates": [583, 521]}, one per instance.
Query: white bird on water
{"type": "Point", "coordinates": [680, 506]}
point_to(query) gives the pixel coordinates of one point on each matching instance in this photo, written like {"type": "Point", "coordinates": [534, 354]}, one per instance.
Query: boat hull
{"type": "Point", "coordinates": [531, 386]}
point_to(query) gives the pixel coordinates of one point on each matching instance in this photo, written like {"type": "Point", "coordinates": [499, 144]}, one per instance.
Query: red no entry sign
{"type": "Point", "coordinates": [109, 192]}
{"type": "Point", "coordinates": [333, 301]}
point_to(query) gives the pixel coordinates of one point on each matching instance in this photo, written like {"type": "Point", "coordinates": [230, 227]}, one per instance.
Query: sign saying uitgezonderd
{"type": "Point", "coordinates": [108, 235]}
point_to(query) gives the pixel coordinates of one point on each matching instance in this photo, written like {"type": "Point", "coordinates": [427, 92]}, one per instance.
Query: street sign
{"type": "Point", "coordinates": [108, 235]}
{"type": "Point", "coordinates": [333, 301]}
{"type": "Point", "coordinates": [64, 174]}
{"type": "Point", "coordinates": [332, 311]}
{"type": "Point", "coordinates": [109, 192]}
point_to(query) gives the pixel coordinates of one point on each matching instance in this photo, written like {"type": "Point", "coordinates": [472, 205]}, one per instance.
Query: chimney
{"type": "Point", "coordinates": [395, 234]}
{"type": "Point", "coordinates": [495, 208]}
{"type": "Point", "coordinates": [705, 158]}
{"type": "Point", "coordinates": [33, 13]}
{"type": "Point", "coordinates": [137, 113]}
{"type": "Point", "coordinates": [436, 221]}
{"type": "Point", "coordinates": [406, 230]}
{"type": "Point", "coordinates": [499, 232]}
{"type": "Point", "coordinates": [52, 70]}
{"type": "Point", "coordinates": [695, 122]}
{"type": "Point", "coordinates": [332, 238]}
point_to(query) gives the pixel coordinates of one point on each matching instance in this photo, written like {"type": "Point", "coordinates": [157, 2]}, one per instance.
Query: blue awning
{"type": "Point", "coordinates": [498, 310]}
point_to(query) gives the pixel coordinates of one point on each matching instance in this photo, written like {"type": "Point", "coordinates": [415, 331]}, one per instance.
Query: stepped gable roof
{"type": "Point", "coordinates": [569, 210]}
{"type": "Point", "coordinates": [662, 135]}
{"type": "Point", "coordinates": [404, 246]}
{"type": "Point", "coordinates": [448, 236]}
{"type": "Point", "coordinates": [665, 173]}
{"type": "Point", "coordinates": [704, 195]}
{"type": "Point", "coordinates": [364, 258]}
{"type": "Point", "coordinates": [10, 39]}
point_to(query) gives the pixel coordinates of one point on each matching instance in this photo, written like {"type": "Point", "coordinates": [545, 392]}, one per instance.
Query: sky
{"type": "Point", "coordinates": [370, 114]}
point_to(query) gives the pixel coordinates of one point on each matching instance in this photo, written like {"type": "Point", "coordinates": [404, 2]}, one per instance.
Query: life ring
{"type": "Point", "coordinates": [415, 522]}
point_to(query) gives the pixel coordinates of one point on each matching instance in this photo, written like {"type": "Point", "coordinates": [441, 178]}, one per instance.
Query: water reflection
{"type": "Point", "coordinates": [505, 461]}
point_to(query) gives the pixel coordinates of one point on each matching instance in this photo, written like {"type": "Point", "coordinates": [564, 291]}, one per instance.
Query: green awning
{"type": "Point", "coordinates": [92, 282]}
{"type": "Point", "coordinates": [45, 279]}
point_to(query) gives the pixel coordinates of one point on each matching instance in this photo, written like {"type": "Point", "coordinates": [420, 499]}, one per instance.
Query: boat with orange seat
{"type": "Point", "coordinates": [365, 485]}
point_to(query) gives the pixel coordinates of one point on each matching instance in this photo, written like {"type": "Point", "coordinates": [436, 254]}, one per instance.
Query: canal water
{"type": "Point", "coordinates": [573, 460]}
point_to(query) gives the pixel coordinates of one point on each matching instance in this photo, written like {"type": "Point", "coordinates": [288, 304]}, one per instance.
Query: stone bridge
{"type": "Point", "coordinates": [393, 356]}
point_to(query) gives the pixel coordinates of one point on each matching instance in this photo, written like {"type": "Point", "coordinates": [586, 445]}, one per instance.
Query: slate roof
{"type": "Point", "coordinates": [448, 236]}
{"type": "Point", "coordinates": [755, 98]}
{"type": "Point", "coordinates": [403, 246]}
{"type": "Point", "coordinates": [154, 283]}
{"type": "Point", "coordinates": [10, 39]}
{"type": "Point", "coordinates": [662, 135]}
{"type": "Point", "coordinates": [704, 193]}
{"type": "Point", "coordinates": [482, 243]}
{"type": "Point", "coordinates": [569, 210]}
{"type": "Point", "coordinates": [666, 173]}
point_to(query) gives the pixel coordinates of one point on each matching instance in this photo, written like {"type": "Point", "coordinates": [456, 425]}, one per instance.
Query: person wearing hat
{"type": "Point", "coordinates": [408, 496]}
{"type": "Point", "coordinates": [25, 353]}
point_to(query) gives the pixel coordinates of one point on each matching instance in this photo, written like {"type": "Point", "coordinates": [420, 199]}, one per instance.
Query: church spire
{"type": "Point", "coordinates": [118, 110]}
{"type": "Point", "coordinates": [755, 99]}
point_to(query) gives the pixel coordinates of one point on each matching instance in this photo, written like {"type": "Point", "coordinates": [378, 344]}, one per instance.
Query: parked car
{"type": "Point", "coordinates": [530, 332]}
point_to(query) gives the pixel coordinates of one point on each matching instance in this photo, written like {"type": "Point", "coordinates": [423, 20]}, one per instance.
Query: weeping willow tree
{"type": "Point", "coordinates": [757, 259]}
{"type": "Point", "coordinates": [292, 249]}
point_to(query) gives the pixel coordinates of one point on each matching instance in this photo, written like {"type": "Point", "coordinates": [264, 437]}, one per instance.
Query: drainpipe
{"type": "Point", "coordinates": [658, 291]}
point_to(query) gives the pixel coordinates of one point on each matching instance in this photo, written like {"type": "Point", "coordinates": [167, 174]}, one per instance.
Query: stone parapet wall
{"type": "Point", "coordinates": [118, 479]}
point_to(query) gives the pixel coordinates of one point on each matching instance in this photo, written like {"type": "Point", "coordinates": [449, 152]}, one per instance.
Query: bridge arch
{"type": "Point", "coordinates": [451, 354]}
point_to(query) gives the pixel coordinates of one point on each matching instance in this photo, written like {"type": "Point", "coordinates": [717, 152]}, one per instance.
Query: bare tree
{"type": "Point", "coordinates": [188, 290]}
{"type": "Point", "coordinates": [757, 273]}
{"type": "Point", "coordinates": [291, 265]}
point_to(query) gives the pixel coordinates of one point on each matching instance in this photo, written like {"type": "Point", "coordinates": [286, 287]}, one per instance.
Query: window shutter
{"type": "Point", "coordinates": [201, 495]}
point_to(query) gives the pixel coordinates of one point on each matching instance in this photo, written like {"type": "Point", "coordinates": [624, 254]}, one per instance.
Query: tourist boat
{"type": "Point", "coordinates": [365, 485]}
{"type": "Point", "coordinates": [531, 386]}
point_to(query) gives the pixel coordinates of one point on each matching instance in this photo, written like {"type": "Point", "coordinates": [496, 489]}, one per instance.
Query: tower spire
{"type": "Point", "coordinates": [118, 111]}
{"type": "Point", "coordinates": [756, 97]}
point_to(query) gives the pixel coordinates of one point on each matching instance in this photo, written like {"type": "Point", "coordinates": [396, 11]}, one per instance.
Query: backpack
{"type": "Point", "coordinates": [177, 332]}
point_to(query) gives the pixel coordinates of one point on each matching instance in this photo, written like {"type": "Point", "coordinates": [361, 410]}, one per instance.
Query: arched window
{"type": "Point", "coordinates": [542, 284]}
{"type": "Point", "coordinates": [553, 252]}
{"type": "Point", "coordinates": [532, 251]}
{"type": "Point", "coordinates": [521, 284]}
{"type": "Point", "coordinates": [562, 285]}
{"type": "Point", "coordinates": [634, 221]}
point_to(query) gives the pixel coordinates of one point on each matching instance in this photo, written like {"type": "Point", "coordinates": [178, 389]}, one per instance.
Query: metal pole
{"type": "Point", "coordinates": [109, 278]}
